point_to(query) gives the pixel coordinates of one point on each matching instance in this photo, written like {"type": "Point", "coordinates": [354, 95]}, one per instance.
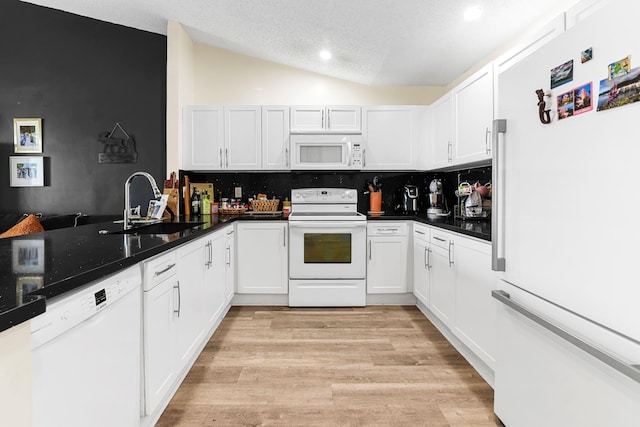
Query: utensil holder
{"type": "Point", "coordinates": [375, 201]}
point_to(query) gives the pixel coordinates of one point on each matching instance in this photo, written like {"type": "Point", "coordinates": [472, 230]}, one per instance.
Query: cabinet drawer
{"type": "Point", "coordinates": [440, 239]}
{"type": "Point", "coordinates": [387, 229]}
{"type": "Point", "coordinates": [158, 269]}
{"type": "Point", "coordinates": [421, 232]}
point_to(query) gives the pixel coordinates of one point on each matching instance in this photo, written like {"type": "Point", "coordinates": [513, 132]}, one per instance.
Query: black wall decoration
{"type": "Point", "coordinates": [80, 76]}
{"type": "Point", "coordinates": [119, 146]}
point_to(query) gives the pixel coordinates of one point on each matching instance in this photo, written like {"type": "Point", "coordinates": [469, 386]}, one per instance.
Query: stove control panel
{"type": "Point", "coordinates": [324, 195]}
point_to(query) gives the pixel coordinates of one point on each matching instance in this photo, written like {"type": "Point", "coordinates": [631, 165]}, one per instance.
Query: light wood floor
{"type": "Point", "coordinates": [373, 366]}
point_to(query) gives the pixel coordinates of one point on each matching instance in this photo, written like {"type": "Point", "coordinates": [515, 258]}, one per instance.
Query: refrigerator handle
{"type": "Point", "coordinates": [625, 368]}
{"type": "Point", "coordinates": [497, 223]}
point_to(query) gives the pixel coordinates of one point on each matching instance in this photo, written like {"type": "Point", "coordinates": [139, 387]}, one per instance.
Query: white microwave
{"type": "Point", "coordinates": [326, 152]}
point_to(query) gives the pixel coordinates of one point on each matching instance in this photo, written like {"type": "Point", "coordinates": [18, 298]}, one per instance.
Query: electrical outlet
{"type": "Point", "coordinates": [238, 193]}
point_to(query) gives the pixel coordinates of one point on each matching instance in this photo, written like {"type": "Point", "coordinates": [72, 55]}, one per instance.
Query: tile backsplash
{"type": "Point", "coordinates": [279, 184]}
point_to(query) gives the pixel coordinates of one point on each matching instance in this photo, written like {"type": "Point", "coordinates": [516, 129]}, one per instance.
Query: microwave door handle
{"type": "Point", "coordinates": [349, 154]}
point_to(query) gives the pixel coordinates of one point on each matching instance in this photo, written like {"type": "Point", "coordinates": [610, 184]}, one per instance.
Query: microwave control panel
{"type": "Point", "coordinates": [356, 155]}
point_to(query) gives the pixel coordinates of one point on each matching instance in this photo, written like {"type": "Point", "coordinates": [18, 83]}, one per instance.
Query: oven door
{"type": "Point", "coordinates": [327, 250]}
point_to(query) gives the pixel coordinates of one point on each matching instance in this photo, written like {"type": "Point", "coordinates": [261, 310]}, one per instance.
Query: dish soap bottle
{"type": "Point", "coordinates": [206, 203]}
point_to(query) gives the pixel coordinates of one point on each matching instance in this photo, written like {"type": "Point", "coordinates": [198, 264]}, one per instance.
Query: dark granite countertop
{"type": "Point", "coordinates": [480, 229]}
{"type": "Point", "coordinates": [48, 264]}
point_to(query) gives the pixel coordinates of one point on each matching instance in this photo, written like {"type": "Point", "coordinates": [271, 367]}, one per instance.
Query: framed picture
{"type": "Point", "coordinates": [26, 171]}
{"type": "Point", "coordinates": [26, 285]}
{"type": "Point", "coordinates": [28, 256]}
{"type": "Point", "coordinates": [27, 135]}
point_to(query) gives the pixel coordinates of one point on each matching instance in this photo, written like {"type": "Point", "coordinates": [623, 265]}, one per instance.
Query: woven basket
{"type": "Point", "coordinates": [265, 205]}
{"type": "Point", "coordinates": [238, 211]}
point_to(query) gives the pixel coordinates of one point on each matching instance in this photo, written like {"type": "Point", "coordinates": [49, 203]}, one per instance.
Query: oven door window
{"type": "Point", "coordinates": [327, 248]}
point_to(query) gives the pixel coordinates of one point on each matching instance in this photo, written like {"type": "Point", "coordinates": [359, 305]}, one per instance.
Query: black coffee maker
{"type": "Point", "coordinates": [409, 198]}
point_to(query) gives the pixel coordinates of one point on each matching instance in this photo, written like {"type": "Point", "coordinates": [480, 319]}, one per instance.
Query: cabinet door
{"type": "Point", "coordinates": [421, 262]}
{"type": "Point", "coordinates": [202, 138]}
{"type": "Point", "coordinates": [475, 308]}
{"type": "Point", "coordinates": [275, 138]}
{"type": "Point", "coordinates": [160, 363]}
{"type": "Point", "coordinates": [442, 290]}
{"type": "Point", "coordinates": [344, 119]}
{"type": "Point", "coordinates": [442, 140]}
{"type": "Point", "coordinates": [242, 132]}
{"type": "Point", "coordinates": [214, 280]}
{"type": "Point", "coordinates": [473, 103]}
{"type": "Point", "coordinates": [189, 318]}
{"type": "Point", "coordinates": [387, 264]}
{"type": "Point", "coordinates": [389, 134]}
{"type": "Point", "coordinates": [307, 118]}
{"type": "Point", "coordinates": [263, 247]}
{"type": "Point", "coordinates": [230, 263]}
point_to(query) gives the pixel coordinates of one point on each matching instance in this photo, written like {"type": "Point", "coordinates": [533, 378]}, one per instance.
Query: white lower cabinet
{"type": "Point", "coordinates": [387, 247]}
{"type": "Point", "coordinates": [184, 299]}
{"type": "Point", "coordinates": [475, 309]}
{"type": "Point", "coordinates": [421, 263]}
{"type": "Point", "coordinates": [443, 276]}
{"type": "Point", "coordinates": [230, 262]}
{"type": "Point", "coordinates": [189, 319]}
{"type": "Point", "coordinates": [263, 252]}
{"type": "Point", "coordinates": [452, 277]}
{"type": "Point", "coordinates": [159, 305]}
{"type": "Point", "coordinates": [215, 293]}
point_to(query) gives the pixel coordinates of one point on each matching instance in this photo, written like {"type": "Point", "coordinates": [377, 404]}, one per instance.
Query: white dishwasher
{"type": "Point", "coordinates": [86, 355]}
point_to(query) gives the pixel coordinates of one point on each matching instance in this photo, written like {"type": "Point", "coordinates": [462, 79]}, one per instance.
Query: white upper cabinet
{"type": "Point", "coordinates": [473, 117]}
{"type": "Point", "coordinates": [441, 144]}
{"type": "Point", "coordinates": [220, 138]}
{"type": "Point", "coordinates": [583, 9]}
{"type": "Point", "coordinates": [202, 138]}
{"type": "Point", "coordinates": [242, 135]}
{"type": "Point", "coordinates": [323, 119]}
{"type": "Point", "coordinates": [530, 43]}
{"type": "Point", "coordinates": [275, 138]}
{"type": "Point", "coordinates": [391, 135]}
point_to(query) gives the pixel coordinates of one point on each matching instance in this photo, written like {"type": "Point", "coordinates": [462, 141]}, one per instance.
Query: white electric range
{"type": "Point", "coordinates": [327, 251]}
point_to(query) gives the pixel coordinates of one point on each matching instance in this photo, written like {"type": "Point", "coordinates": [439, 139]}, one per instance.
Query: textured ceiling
{"type": "Point", "coordinates": [374, 42]}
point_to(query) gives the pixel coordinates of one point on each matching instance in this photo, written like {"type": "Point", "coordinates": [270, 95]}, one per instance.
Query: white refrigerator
{"type": "Point", "coordinates": [565, 233]}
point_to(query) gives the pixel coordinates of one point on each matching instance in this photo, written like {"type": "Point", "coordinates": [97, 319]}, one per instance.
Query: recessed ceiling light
{"type": "Point", "coordinates": [325, 55]}
{"type": "Point", "coordinates": [472, 13]}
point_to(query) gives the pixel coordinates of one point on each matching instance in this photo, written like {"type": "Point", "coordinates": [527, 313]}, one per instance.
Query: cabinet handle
{"type": "Point", "coordinates": [226, 156]}
{"type": "Point", "coordinates": [364, 157]}
{"type": "Point", "coordinates": [329, 119]}
{"type": "Point", "coordinates": [450, 254]}
{"type": "Point", "coordinates": [228, 256]}
{"type": "Point", "coordinates": [177, 286]}
{"type": "Point", "coordinates": [322, 122]}
{"type": "Point", "coordinates": [369, 250]}
{"type": "Point", "coordinates": [449, 152]}
{"type": "Point", "coordinates": [210, 253]}
{"type": "Point", "coordinates": [487, 146]}
{"type": "Point", "coordinates": [439, 239]}
{"type": "Point", "coordinates": [206, 263]}
{"type": "Point", "coordinates": [428, 258]}
{"type": "Point", "coordinates": [221, 158]}
{"type": "Point", "coordinates": [497, 230]}
{"type": "Point", "coordinates": [286, 157]}
{"type": "Point", "coordinates": [420, 232]}
{"type": "Point", "coordinates": [284, 237]}
{"type": "Point", "coordinates": [161, 272]}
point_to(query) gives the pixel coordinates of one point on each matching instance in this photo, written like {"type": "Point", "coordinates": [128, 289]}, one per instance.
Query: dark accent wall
{"type": "Point", "coordinates": [80, 76]}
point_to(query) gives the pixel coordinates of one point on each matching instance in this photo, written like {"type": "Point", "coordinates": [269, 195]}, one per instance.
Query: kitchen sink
{"type": "Point", "coordinates": [159, 228]}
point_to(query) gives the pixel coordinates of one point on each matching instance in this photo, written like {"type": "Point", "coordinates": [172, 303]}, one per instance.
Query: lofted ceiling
{"type": "Point", "coordinates": [373, 42]}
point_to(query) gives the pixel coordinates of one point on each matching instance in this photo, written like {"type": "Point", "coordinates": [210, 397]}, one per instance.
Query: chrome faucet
{"type": "Point", "coordinates": [127, 184]}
